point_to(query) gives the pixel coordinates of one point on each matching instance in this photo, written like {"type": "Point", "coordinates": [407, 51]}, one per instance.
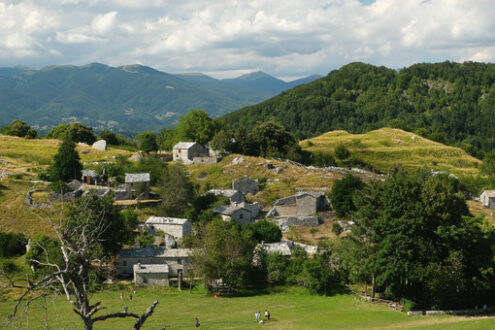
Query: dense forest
{"type": "Point", "coordinates": [448, 102]}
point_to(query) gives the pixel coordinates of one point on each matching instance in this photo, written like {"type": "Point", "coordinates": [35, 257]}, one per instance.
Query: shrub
{"type": "Point", "coordinates": [7, 266]}
{"type": "Point", "coordinates": [265, 231]}
{"type": "Point", "coordinates": [341, 152]}
{"type": "Point", "coordinates": [337, 229]}
{"type": "Point", "coordinates": [341, 195]}
{"type": "Point", "coordinates": [59, 187]}
{"type": "Point", "coordinates": [12, 244]}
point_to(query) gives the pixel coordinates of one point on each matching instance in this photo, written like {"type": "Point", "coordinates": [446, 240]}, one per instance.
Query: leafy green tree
{"type": "Point", "coordinates": [75, 132]}
{"type": "Point", "coordinates": [176, 191]}
{"type": "Point", "coordinates": [221, 141]}
{"type": "Point", "coordinates": [167, 139]}
{"type": "Point", "coordinates": [66, 165]}
{"type": "Point", "coordinates": [110, 137]}
{"type": "Point", "coordinates": [341, 152]}
{"type": "Point", "coordinates": [147, 141]}
{"type": "Point", "coordinates": [196, 126]}
{"type": "Point", "coordinates": [341, 195]}
{"type": "Point", "coordinates": [19, 128]}
{"type": "Point", "coordinates": [488, 166]}
{"type": "Point", "coordinates": [91, 210]}
{"type": "Point", "coordinates": [271, 139]}
{"type": "Point", "coordinates": [12, 244]}
{"type": "Point", "coordinates": [264, 231]}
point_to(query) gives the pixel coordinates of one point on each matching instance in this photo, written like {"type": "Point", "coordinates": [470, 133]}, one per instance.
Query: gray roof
{"type": "Point", "coordinates": [154, 252]}
{"type": "Point", "coordinates": [184, 145]}
{"type": "Point", "coordinates": [229, 209]}
{"type": "Point", "coordinates": [154, 268]}
{"type": "Point", "coordinates": [165, 220]}
{"type": "Point", "coordinates": [90, 173]}
{"type": "Point", "coordinates": [489, 193]}
{"type": "Point", "coordinates": [224, 192]}
{"type": "Point", "coordinates": [315, 194]}
{"type": "Point", "coordinates": [137, 177]}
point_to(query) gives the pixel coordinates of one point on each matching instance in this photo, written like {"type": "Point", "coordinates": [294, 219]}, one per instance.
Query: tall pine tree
{"type": "Point", "coordinates": [66, 165]}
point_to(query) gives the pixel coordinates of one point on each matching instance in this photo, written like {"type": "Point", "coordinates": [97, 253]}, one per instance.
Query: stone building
{"type": "Point", "coordinates": [177, 260]}
{"type": "Point", "coordinates": [234, 195]}
{"type": "Point", "coordinates": [239, 212]}
{"type": "Point", "coordinates": [487, 198]}
{"type": "Point", "coordinates": [186, 151]}
{"type": "Point", "coordinates": [246, 186]}
{"type": "Point", "coordinates": [177, 227]}
{"type": "Point", "coordinates": [302, 204]}
{"type": "Point", "coordinates": [152, 275]}
{"type": "Point", "coordinates": [89, 177]}
{"type": "Point", "coordinates": [139, 183]}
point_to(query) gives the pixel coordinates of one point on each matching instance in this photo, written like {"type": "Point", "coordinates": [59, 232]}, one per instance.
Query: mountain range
{"type": "Point", "coordinates": [129, 98]}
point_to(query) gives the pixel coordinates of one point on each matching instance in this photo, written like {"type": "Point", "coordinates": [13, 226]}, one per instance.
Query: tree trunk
{"type": "Point", "coordinates": [373, 283]}
{"type": "Point", "coordinates": [88, 323]}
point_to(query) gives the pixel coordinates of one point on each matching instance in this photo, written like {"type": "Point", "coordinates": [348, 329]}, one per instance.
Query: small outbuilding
{"type": "Point", "coordinates": [487, 198]}
{"type": "Point", "coordinates": [151, 275]}
{"type": "Point", "coordinates": [241, 213]}
{"type": "Point", "coordinates": [89, 177]}
{"type": "Point", "coordinates": [177, 227]}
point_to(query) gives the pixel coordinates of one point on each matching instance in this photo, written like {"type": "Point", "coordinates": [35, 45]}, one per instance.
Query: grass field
{"type": "Point", "coordinates": [385, 147]}
{"type": "Point", "coordinates": [289, 310]}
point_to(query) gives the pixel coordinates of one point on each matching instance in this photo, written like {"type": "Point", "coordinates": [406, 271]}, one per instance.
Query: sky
{"type": "Point", "coordinates": [226, 38]}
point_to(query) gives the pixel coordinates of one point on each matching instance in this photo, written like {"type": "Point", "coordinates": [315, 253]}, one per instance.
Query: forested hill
{"type": "Point", "coordinates": [447, 102]}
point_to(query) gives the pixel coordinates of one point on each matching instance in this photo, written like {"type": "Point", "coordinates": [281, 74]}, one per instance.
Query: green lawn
{"type": "Point", "coordinates": [289, 310]}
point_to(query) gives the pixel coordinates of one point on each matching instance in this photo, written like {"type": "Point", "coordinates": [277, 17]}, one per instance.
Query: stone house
{"type": "Point", "coordinates": [487, 198]}
{"type": "Point", "coordinates": [234, 195]}
{"type": "Point", "coordinates": [177, 227]}
{"type": "Point", "coordinates": [241, 213]}
{"type": "Point", "coordinates": [302, 204]}
{"type": "Point", "coordinates": [177, 260]}
{"type": "Point", "coordinates": [246, 186]}
{"type": "Point", "coordinates": [152, 275]}
{"type": "Point", "coordinates": [186, 151]}
{"type": "Point", "coordinates": [138, 181]}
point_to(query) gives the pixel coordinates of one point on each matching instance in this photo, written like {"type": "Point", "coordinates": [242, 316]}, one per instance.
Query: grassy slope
{"type": "Point", "coordinates": [384, 147]}
{"type": "Point", "coordinates": [22, 156]}
{"type": "Point", "coordinates": [289, 310]}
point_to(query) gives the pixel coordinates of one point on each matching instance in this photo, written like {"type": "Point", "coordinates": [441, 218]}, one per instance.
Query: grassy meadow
{"type": "Point", "coordinates": [385, 147]}
{"type": "Point", "coordinates": [290, 309]}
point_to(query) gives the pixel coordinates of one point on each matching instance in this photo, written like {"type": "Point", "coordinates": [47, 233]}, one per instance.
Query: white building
{"type": "Point", "coordinates": [152, 275]}
{"type": "Point", "coordinates": [186, 151]}
{"type": "Point", "coordinates": [487, 198]}
{"type": "Point", "coordinates": [177, 227]}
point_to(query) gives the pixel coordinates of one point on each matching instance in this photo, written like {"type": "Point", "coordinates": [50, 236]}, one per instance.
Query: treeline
{"type": "Point", "coordinates": [414, 240]}
{"type": "Point", "coordinates": [447, 102]}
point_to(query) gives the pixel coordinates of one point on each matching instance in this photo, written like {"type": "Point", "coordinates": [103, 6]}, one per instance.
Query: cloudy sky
{"type": "Point", "coordinates": [225, 38]}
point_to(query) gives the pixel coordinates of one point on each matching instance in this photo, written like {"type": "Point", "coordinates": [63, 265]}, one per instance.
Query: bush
{"type": "Point", "coordinates": [20, 129]}
{"type": "Point", "coordinates": [341, 152]}
{"type": "Point", "coordinates": [75, 132]}
{"type": "Point", "coordinates": [337, 229]}
{"type": "Point", "coordinates": [265, 231]}
{"type": "Point", "coordinates": [12, 244]}
{"type": "Point", "coordinates": [323, 159]}
{"type": "Point", "coordinates": [7, 266]}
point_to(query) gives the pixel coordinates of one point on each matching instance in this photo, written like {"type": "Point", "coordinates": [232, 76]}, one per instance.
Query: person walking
{"type": "Point", "coordinates": [267, 315]}
{"type": "Point", "coordinates": [196, 320]}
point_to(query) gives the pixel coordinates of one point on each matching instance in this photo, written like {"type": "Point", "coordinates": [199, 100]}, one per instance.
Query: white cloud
{"type": "Point", "coordinates": [293, 38]}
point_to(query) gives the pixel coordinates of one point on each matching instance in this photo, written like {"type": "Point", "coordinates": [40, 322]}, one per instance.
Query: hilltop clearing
{"type": "Point", "coordinates": [385, 147]}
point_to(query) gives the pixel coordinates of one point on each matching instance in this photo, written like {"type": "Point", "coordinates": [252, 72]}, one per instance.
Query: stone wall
{"type": "Point", "coordinates": [205, 160]}
{"type": "Point", "coordinates": [311, 221]}
{"type": "Point", "coordinates": [152, 279]}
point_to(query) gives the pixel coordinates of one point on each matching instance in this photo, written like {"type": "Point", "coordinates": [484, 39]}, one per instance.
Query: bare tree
{"type": "Point", "coordinates": [71, 276]}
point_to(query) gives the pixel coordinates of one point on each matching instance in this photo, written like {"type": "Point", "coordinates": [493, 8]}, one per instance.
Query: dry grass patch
{"type": "Point", "coordinates": [477, 209]}
{"type": "Point", "coordinates": [385, 147]}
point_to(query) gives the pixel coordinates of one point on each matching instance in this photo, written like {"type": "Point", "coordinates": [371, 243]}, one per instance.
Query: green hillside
{"type": "Point", "coordinates": [448, 102]}
{"type": "Point", "coordinates": [385, 147]}
{"type": "Point", "coordinates": [129, 98]}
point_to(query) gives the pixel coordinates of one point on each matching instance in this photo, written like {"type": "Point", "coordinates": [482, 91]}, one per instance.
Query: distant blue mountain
{"type": "Point", "coordinates": [261, 81]}
{"type": "Point", "coordinates": [130, 98]}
